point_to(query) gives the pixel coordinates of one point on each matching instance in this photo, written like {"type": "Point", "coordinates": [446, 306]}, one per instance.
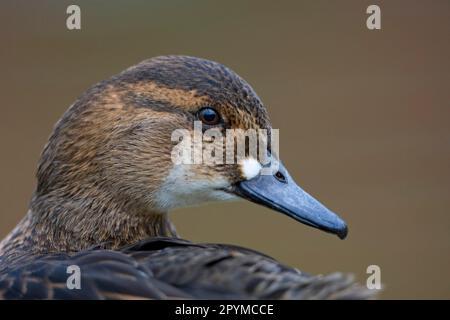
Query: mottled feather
{"type": "Point", "coordinates": [169, 268]}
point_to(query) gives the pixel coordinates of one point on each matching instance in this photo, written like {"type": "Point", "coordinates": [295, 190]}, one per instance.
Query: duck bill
{"type": "Point", "coordinates": [285, 196]}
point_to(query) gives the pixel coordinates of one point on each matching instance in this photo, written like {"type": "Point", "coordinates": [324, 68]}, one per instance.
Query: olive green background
{"type": "Point", "coordinates": [364, 117]}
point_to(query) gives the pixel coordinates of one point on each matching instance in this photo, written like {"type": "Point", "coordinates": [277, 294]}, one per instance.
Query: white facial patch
{"type": "Point", "coordinates": [183, 188]}
{"type": "Point", "coordinates": [250, 168]}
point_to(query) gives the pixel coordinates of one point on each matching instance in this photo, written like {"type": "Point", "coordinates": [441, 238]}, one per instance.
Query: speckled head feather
{"type": "Point", "coordinates": [108, 158]}
{"type": "Point", "coordinates": [196, 79]}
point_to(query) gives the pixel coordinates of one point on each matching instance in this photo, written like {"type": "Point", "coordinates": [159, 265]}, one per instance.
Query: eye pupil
{"type": "Point", "coordinates": [209, 116]}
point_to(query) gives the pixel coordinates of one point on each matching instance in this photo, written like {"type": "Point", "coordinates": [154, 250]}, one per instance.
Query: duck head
{"type": "Point", "coordinates": [112, 151]}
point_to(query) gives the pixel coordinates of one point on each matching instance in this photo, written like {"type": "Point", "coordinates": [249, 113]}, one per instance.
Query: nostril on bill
{"type": "Point", "coordinates": [280, 177]}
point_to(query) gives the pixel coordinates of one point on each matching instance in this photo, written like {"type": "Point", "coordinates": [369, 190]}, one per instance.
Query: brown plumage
{"type": "Point", "coordinates": [106, 183]}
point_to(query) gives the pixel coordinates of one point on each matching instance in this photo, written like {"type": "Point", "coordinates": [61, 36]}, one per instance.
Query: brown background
{"type": "Point", "coordinates": [363, 117]}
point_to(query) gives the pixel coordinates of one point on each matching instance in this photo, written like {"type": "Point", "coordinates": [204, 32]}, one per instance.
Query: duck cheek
{"type": "Point", "coordinates": [187, 185]}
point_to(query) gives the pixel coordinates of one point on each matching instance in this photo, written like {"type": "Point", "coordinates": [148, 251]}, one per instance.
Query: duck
{"type": "Point", "coordinates": [106, 182]}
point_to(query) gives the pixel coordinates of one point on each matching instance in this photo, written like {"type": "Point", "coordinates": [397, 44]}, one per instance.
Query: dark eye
{"type": "Point", "coordinates": [209, 116]}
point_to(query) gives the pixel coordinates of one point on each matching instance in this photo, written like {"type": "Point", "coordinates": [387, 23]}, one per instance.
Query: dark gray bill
{"type": "Point", "coordinates": [281, 193]}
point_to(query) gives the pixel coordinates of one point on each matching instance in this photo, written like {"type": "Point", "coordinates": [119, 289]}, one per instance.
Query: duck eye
{"type": "Point", "coordinates": [209, 116]}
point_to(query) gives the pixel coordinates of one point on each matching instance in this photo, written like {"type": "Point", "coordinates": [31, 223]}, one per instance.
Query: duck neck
{"type": "Point", "coordinates": [58, 224]}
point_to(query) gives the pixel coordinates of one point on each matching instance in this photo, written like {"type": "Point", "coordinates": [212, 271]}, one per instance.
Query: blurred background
{"type": "Point", "coordinates": [364, 117]}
